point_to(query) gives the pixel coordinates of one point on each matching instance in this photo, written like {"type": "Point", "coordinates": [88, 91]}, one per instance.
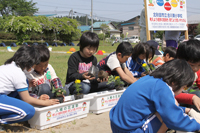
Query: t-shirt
{"type": "Point", "coordinates": [158, 62]}
{"type": "Point", "coordinates": [135, 66]}
{"type": "Point", "coordinates": [110, 63]}
{"type": "Point", "coordinates": [12, 78]}
{"type": "Point", "coordinates": [77, 65]}
{"type": "Point", "coordinates": [42, 78]}
{"type": "Point", "coordinates": [172, 35]}
{"type": "Point", "coordinates": [146, 96]}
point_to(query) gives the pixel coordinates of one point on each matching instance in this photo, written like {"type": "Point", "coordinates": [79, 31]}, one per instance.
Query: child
{"type": "Point", "coordinates": [140, 52]}
{"type": "Point", "coordinates": [190, 51]}
{"type": "Point", "coordinates": [43, 76]}
{"type": "Point", "coordinates": [169, 54]}
{"type": "Point", "coordinates": [115, 64]}
{"type": "Point", "coordinates": [139, 116]}
{"type": "Point", "coordinates": [14, 87]}
{"type": "Point", "coordinates": [79, 64]}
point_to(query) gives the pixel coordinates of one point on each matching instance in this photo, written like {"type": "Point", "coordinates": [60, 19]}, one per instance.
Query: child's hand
{"type": "Point", "coordinates": [143, 74]}
{"type": "Point", "coordinates": [85, 76]}
{"type": "Point", "coordinates": [196, 101]}
{"type": "Point", "coordinates": [44, 97]}
{"type": "Point", "coordinates": [32, 83]}
{"type": "Point", "coordinates": [51, 102]}
{"type": "Point", "coordinates": [194, 114]}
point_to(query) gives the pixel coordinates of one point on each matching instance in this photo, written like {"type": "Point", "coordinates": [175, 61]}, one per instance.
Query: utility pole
{"type": "Point", "coordinates": [91, 15]}
{"type": "Point", "coordinates": [72, 13]}
{"type": "Point", "coordinates": [86, 20]}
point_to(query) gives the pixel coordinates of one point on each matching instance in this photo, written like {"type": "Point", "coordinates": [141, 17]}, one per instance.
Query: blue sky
{"type": "Point", "coordinates": [115, 10]}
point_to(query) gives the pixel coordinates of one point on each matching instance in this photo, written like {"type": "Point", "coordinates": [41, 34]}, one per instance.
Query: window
{"type": "Point", "coordinates": [131, 28]}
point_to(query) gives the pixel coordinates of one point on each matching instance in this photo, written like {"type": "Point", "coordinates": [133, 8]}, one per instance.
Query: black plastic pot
{"type": "Point", "coordinates": [60, 99]}
{"type": "Point", "coordinates": [76, 97]}
{"type": "Point", "coordinates": [118, 88]}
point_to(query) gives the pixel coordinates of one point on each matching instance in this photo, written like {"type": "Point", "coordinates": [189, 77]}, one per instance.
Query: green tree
{"type": "Point", "coordinates": [21, 27]}
{"type": "Point", "coordinates": [17, 7]}
{"type": "Point", "coordinates": [105, 28]}
{"type": "Point", "coordinates": [158, 34]}
{"type": "Point", "coordinates": [198, 29]}
{"type": "Point", "coordinates": [64, 28]}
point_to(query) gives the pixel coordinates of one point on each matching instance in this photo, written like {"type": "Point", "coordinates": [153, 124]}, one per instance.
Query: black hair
{"type": "Point", "coordinates": [176, 71]}
{"type": "Point", "coordinates": [44, 52]}
{"type": "Point", "coordinates": [171, 51]}
{"type": "Point", "coordinates": [125, 48]}
{"type": "Point", "coordinates": [25, 57]}
{"type": "Point", "coordinates": [89, 39]}
{"type": "Point", "coordinates": [143, 48]}
{"type": "Point", "coordinates": [189, 51]}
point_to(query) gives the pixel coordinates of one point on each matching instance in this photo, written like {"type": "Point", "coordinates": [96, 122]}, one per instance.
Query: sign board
{"type": "Point", "coordinates": [166, 15]}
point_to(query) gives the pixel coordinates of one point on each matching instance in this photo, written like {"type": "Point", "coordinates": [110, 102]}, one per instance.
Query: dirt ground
{"type": "Point", "coordinates": [91, 124]}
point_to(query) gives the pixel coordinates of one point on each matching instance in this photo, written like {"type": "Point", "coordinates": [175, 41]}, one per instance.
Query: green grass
{"type": "Point", "coordinates": [59, 60]}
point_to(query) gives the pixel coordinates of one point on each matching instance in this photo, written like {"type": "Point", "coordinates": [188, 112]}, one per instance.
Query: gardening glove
{"type": "Point", "coordinates": [194, 114]}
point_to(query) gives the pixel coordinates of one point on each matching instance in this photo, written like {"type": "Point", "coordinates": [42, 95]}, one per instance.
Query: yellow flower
{"type": "Point", "coordinates": [144, 65]}
{"type": "Point", "coordinates": [116, 77]}
{"type": "Point", "coordinates": [77, 81]}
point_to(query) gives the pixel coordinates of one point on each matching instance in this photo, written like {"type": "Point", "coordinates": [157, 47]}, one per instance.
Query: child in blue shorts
{"type": "Point", "coordinates": [137, 109]}
{"type": "Point", "coordinates": [14, 96]}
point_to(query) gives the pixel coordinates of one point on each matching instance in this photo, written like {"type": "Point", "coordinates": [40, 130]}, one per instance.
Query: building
{"type": "Point", "coordinates": [96, 28]}
{"type": "Point", "coordinates": [130, 27]}
{"type": "Point", "coordinates": [112, 28]}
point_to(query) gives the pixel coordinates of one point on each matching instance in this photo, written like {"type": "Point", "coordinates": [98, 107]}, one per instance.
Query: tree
{"type": "Point", "coordinates": [105, 28]}
{"type": "Point", "coordinates": [198, 29]}
{"type": "Point", "coordinates": [17, 7]}
{"type": "Point", "coordinates": [64, 28]}
{"type": "Point", "coordinates": [21, 27]}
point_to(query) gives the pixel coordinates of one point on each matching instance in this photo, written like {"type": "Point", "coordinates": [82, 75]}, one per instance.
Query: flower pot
{"type": "Point", "coordinates": [119, 88]}
{"type": "Point", "coordinates": [76, 97]}
{"type": "Point", "coordinates": [60, 99]}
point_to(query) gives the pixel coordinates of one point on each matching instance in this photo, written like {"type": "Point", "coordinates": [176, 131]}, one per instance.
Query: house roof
{"type": "Point", "coordinates": [47, 15]}
{"type": "Point", "coordinates": [114, 30]}
{"type": "Point", "coordinates": [98, 24]}
{"type": "Point", "coordinates": [128, 23]}
{"type": "Point", "coordinates": [84, 28]}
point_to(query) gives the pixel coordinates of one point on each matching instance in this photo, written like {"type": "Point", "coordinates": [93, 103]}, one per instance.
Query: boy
{"type": "Point", "coordinates": [43, 76]}
{"type": "Point", "coordinates": [190, 51]}
{"type": "Point", "coordinates": [169, 54]}
{"type": "Point", "coordinates": [155, 93]}
{"type": "Point", "coordinates": [80, 62]}
{"type": "Point", "coordinates": [115, 63]}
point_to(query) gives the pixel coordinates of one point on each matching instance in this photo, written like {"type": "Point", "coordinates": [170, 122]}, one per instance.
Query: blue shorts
{"type": "Point", "coordinates": [152, 125]}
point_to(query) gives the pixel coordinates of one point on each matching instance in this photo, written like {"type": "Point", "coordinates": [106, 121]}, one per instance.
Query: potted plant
{"type": "Point", "coordinates": [77, 86]}
{"type": "Point", "coordinates": [59, 92]}
{"type": "Point", "coordinates": [118, 82]}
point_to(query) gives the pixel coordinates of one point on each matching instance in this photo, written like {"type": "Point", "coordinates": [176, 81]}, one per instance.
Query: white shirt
{"type": "Point", "coordinates": [12, 78]}
{"type": "Point", "coordinates": [113, 62]}
{"type": "Point", "coordinates": [41, 79]}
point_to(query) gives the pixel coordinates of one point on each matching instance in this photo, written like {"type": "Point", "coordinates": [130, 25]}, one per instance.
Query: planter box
{"type": "Point", "coordinates": [104, 101]}
{"type": "Point", "coordinates": [46, 117]}
{"type": "Point", "coordinates": [183, 132]}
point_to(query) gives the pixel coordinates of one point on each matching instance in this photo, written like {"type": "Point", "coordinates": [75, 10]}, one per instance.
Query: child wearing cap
{"type": "Point", "coordinates": [169, 54]}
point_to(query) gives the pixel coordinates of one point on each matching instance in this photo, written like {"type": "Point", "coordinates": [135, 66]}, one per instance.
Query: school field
{"type": "Point", "coordinates": [59, 58]}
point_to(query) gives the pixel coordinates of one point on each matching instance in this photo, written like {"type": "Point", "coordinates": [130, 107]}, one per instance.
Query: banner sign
{"type": "Point", "coordinates": [166, 15]}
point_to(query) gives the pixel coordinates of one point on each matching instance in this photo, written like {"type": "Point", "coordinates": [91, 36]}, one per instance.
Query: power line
{"type": "Point", "coordinates": [113, 3]}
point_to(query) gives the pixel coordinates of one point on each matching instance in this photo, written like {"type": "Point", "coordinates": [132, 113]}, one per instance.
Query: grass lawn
{"type": "Point", "coordinates": [59, 60]}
